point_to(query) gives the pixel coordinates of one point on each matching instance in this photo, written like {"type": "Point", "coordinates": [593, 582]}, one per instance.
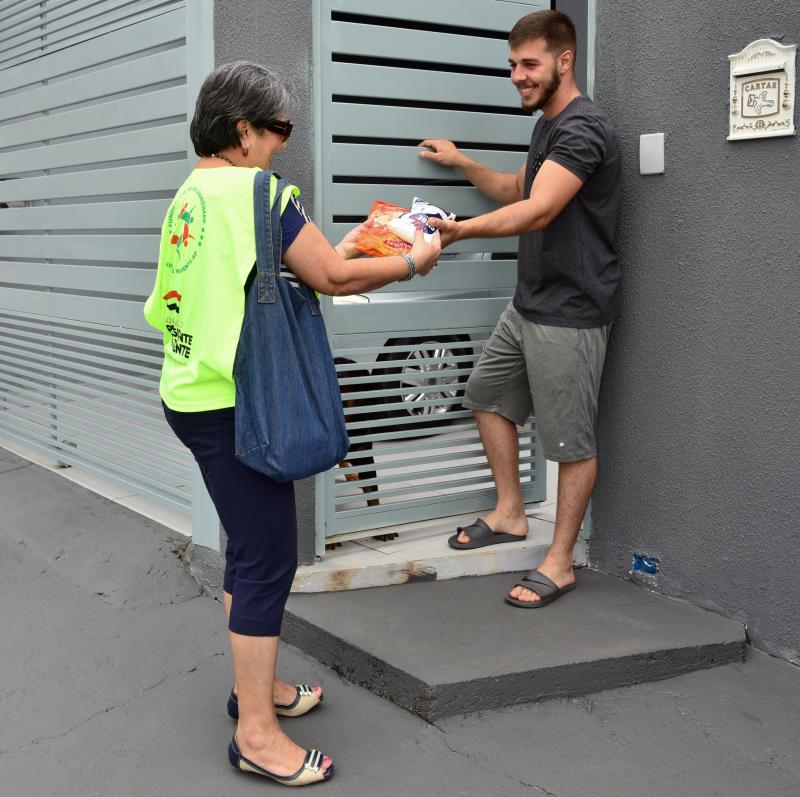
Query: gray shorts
{"type": "Point", "coordinates": [553, 372]}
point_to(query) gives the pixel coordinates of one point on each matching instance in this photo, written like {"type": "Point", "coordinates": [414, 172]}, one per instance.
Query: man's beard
{"type": "Point", "coordinates": [547, 91]}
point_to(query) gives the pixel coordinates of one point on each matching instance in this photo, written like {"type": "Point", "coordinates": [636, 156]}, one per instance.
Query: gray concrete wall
{"type": "Point", "coordinates": [279, 34]}
{"type": "Point", "coordinates": [577, 12]}
{"type": "Point", "coordinates": [699, 414]}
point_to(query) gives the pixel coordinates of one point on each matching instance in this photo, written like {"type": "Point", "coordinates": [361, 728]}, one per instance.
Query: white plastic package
{"type": "Point", "coordinates": [417, 219]}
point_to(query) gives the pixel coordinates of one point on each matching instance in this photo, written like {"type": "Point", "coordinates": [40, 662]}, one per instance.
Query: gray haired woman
{"type": "Point", "coordinates": [205, 266]}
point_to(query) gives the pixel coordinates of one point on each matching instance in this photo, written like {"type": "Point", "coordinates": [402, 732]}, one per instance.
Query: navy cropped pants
{"type": "Point", "coordinates": [258, 515]}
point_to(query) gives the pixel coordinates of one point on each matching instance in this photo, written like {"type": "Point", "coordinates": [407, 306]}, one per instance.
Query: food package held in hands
{"type": "Point", "coordinates": [389, 229]}
{"type": "Point", "coordinates": [376, 239]}
{"type": "Point", "coordinates": [417, 219]}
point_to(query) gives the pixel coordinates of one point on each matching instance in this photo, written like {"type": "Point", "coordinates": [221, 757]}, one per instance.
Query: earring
{"type": "Point", "coordinates": [245, 151]}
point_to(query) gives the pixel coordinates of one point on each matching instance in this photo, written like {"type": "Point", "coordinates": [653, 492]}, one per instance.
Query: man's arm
{"type": "Point", "coordinates": [500, 186]}
{"type": "Point", "coordinates": [552, 189]}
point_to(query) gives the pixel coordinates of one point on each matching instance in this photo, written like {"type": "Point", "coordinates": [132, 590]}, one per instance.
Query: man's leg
{"type": "Point", "coordinates": [499, 396]}
{"type": "Point", "coordinates": [575, 484]}
{"type": "Point", "coordinates": [501, 444]}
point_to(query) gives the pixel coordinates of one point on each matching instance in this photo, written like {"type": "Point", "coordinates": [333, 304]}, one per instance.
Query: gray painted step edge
{"type": "Point", "coordinates": [432, 702]}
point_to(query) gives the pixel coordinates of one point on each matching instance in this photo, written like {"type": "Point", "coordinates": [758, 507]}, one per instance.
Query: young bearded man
{"type": "Point", "coordinates": [547, 351]}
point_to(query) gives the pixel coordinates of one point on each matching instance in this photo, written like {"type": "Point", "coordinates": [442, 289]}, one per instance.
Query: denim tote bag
{"type": "Point", "coordinates": [289, 418]}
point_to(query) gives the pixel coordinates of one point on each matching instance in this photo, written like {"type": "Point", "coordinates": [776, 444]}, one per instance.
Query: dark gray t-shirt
{"type": "Point", "coordinates": [569, 273]}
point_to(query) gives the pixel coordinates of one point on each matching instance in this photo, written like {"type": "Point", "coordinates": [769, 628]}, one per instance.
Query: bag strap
{"type": "Point", "coordinates": [267, 222]}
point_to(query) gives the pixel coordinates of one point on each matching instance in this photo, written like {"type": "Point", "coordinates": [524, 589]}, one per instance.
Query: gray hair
{"type": "Point", "coordinates": [235, 91]}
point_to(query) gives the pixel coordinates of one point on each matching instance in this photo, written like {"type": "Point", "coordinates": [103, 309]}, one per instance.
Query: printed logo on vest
{"type": "Point", "coordinates": [173, 300]}
{"type": "Point", "coordinates": [180, 341]}
{"type": "Point", "coordinates": [186, 222]}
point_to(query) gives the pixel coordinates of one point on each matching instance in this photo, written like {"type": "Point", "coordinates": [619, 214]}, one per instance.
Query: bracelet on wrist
{"type": "Point", "coordinates": [412, 268]}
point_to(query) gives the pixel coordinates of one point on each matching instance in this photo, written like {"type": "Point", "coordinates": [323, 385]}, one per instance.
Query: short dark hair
{"type": "Point", "coordinates": [555, 27]}
{"type": "Point", "coordinates": [235, 91]}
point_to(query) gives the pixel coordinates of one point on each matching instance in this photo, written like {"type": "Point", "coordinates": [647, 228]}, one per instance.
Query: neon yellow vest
{"type": "Point", "coordinates": [208, 250]}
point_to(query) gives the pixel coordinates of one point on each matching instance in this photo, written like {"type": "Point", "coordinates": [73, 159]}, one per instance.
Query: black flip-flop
{"type": "Point", "coordinates": [545, 588]}
{"type": "Point", "coordinates": [481, 535]}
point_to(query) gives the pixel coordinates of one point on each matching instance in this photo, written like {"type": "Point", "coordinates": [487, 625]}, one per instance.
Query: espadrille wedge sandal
{"type": "Point", "coordinates": [310, 772]}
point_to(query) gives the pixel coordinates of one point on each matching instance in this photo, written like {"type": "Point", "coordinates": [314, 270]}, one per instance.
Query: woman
{"type": "Point", "coordinates": [207, 255]}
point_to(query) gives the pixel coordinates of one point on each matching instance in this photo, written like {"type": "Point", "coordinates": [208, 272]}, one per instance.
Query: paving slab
{"type": "Point", "coordinates": [115, 670]}
{"type": "Point", "coordinates": [452, 647]}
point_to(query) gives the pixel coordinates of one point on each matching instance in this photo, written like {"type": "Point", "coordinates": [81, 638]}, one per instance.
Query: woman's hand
{"type": "Point", "coordinates": [347, 246]}
{"type": "Point", "coordinates": [425, 254]}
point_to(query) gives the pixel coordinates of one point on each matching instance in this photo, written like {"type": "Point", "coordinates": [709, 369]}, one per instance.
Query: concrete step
{"type": "Point", "coordinates": [420, 553]}
{"type": "Point", "coordinates": [452, 647]}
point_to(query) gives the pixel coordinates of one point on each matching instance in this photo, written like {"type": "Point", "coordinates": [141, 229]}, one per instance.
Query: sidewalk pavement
{"type": "Point", "coordinates": [114, 673]}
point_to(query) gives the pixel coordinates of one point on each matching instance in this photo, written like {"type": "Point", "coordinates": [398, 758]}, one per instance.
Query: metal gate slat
{"type": "Point", "coordinates": [52, 430]}
{"type": "Point", "coordinates": [385, 121]}
{"type": "Point", "coordinates": [387, 82]}
{"type": "Point", "coordinates": [63, 419]}
{"type": "Point", "coordinates": [142, 213]}
{"type": "Point", "coordinates": [355, 198]}
{"type": "Point", "coordinates": [102, 116]}
{"type": "Point", "coordinates": [166, 139]}
{"type": "Point", "coordinates": [383, 437]}
{"type": "Point", "coordinates": [404, 347]}
{"type": "Point", "coordinates": [393, 423]}
{"type": "Point", "coordinates": [355, 412]}
{"type": "Point", "coordinates": [381, 454]}
{"type": "Point", "coordinates": [389, 465]}
{"type": "Point", "coordinates": [60, 17]}
{"type": "Point", "coordinates": [137, 74]}
{"type": "Point", "coordinates": [42, 21]}
{"type": "Point", "coordinates": [101, 311]}
{"type": "Point", "coordinates": [173, 497]}
{"type": "Point", "coordinates": [397, 365]}
{"type": "Point", "coordinates": [68, 36]}
{"type": "Point", "coordinates": [91, 278]}
{"type": "Point", "coordinates": [163, 176]}
{"type": "Point", "coordinates": [91, 336]}
{"type": "Point", "coordinates": [499, 16]}
{"type": "Point", "coordinates": [390, 317]}
{"type": "Point", "coordinates": [389, 160]}
{"type": "Point", "coordinates": [48, 383]}
{"type": "Point", "coordinates": [108, 453]}
{"type": "Point", "coordinates": [394, 362]}
{"type": "Point", "coordinates": [72, 366]}
{"type": "Point", "coordinates": [4, 6]}
{"type": "Point", "coordinates": [378, 41]}
{"type": "Point", "coordinates": [123, 248]}
{"type": "Point", "coordinates": [433, 473]}
{"type": "Point", "coordinates": [402, 493]}
{"type": "Point", "coordinates": [164, 29]}
{"type": "Point", "coordinates": [158, 455]}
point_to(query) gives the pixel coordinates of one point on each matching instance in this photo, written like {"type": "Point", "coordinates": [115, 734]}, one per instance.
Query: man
{"type": "Point", "coordinates": [547, 351]}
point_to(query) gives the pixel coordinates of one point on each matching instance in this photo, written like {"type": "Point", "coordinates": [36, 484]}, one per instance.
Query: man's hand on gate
{"type": "Point", "coordinates": [445, 153]}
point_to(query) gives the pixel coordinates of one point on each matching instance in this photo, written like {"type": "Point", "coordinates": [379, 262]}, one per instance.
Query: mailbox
{"type": "Point", "coordinates": [762, 90]}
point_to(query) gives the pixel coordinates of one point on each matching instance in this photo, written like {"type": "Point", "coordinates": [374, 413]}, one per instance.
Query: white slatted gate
{"type": "Point", "coordinates": [94, 99]}
{"type": "Point", "coordinates": [387, 76]}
